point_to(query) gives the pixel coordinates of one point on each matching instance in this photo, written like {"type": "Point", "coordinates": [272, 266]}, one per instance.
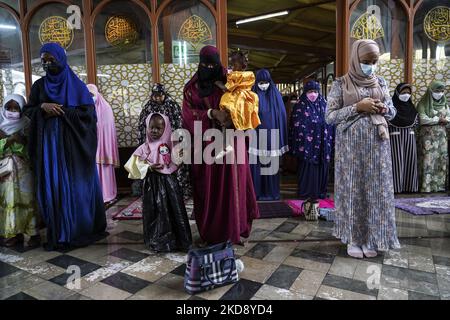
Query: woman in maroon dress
{"type": "Point", "coordinates": [224, 198]}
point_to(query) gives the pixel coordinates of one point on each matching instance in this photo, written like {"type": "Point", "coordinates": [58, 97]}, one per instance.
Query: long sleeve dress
{"type": "Point", "coordinates": [224, 197]}
{"type": "Point", "coordinates": [62, 151]}
{"type": "Point", "coordinates": [364, 192]}
{"type": "Point", "coordinates": [433, 152]}
{"type": "Point", "coordinates": [18, 210]}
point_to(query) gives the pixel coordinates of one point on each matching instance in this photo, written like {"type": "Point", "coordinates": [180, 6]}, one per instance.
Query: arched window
{"type": "Point", "coordinates": [184, 27]}
{"type": "Point", "coordinates": [124, 64]}
{"type": "Point", "coordinates": [11, 62]}
{"type": "Point", "coordinates": [12, 3]}
{"type": "Point", "coordinates": [431, 46]}
{"type": "Point", "coordinates": [385, 22]}
{"type": "Point", "coordinates": [50, 23]}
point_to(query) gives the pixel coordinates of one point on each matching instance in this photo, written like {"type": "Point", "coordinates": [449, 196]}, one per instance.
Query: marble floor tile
{"type": "Point", "coordinates": [421, 296]}
{"type": "Point", "coordinates": [368, 271]}
{"type": "Point", "coordinates": [21, 296]}
{"type": "Point", "coordinates": [422, 262]}
{"type": "Point", "coordinates": [48, 291]}
{"type": "Point", "coordinates": [344, 267]}
{"type": "Point", "coordinates": [260, 250]}
{"type": "Point", "coordinates": [332, 293]}
{"type": "Point", "coordinates": [171, 281]}
{"type": "Point", "coordinates": [307, 264]}
{"type": "Point", "coordinates": [102, 291]}
{"type": "Point", "coordinates": [350, 285]}
{"type": "Point", "coordinates": [16, 287]}
{"type": "Point", "coordinates": [152, 268]}
{"type": "Point", "coordinates": [308, 282]}
{"type": "Point", "coordinates": [396, 258]}
{"type": "Point", "coordinates": [267, 292]}
{"type": "Point", "coordinates": [278, 254]}
{"type": "Point", "coordinates": [387, 293]}
{"type": "Point", "coordinates": [284, 277]}
{"type": "Point", "coordinates": [313, 256]}
{"type": "Point", "coordinates": [156, 292]}
{"type": "Point", "coordinates": [243, 290]}
{"type": "Point", "coordinates": [126, 282]}
{"type": "Point", "coordinates": [257, 270]}
{"type": "Point", "coordinates": [128, 254]}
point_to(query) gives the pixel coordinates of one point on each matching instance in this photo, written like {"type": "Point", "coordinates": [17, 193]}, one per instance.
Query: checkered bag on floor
{"type": "Point", "coordinates": [209, 268]}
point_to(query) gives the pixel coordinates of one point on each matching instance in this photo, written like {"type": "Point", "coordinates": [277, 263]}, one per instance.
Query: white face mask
{"type": "Point", "coordinates": [368, 69]}
{"type": "Point", "coordinates": [404, 97]}
{"type": "Point", "coordinates": [437, 95]}
{"type": "Point", "coordinates": [264, 86]}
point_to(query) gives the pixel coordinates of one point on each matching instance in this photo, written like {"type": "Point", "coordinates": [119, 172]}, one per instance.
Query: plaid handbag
{"type": "Point", "coordinates": [209, 268]}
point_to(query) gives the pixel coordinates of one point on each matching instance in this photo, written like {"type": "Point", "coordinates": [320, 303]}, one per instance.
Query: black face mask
{"type": "Point", "coordinates": [51, 67]}
{"type": "Point", "coordinates": [206, 73]}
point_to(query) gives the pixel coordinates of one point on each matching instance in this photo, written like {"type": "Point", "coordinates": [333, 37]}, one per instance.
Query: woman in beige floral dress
{"type": "Point", "coordinates": [434, 116]}
{"type": "Point", "coordinates": [359, 104]}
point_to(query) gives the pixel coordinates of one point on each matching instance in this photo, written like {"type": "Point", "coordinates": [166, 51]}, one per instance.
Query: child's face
{"type": "Point", "coordinates": [158, 98]}
{"type": "Point", "coordinates": [157, 127]}
{"type": "Point", "coordinates": [12, 106]}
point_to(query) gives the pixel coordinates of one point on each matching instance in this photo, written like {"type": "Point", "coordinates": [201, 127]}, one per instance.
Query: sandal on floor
{"type": "Point", "coordinates": [14, 241]}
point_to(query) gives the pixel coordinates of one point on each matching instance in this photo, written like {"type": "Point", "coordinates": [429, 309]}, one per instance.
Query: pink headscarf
{"type": "Point", "coordinates": [355, 78]}
{"type": "Point", "coordinates": [158, 151]}
{"type": "Point", "coordinates": [107, 149]}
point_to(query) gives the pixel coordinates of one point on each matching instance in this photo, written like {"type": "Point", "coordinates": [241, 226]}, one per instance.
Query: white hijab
{"type": "Point", "coordinates": [9, 126]}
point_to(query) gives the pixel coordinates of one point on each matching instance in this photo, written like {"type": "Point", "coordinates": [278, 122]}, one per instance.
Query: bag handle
{"type": "Point", "coordinates": [232, 267]}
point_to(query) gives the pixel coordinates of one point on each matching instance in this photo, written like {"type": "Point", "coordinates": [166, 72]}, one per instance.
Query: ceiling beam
{"type": "Point", "coordinates": [280, 25]}
{"type": "Point", "coordinates": [300, 6]}
{"type": "Point", "coordinates": [278, 47]}
{"type": "Point", "coordinates": [280, 38]}
{"type": "Point", "coordinates": [297, 24]}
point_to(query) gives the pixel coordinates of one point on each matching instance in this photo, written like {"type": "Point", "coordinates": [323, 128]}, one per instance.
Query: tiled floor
{"type": "Point", "coordinates": [311, 265]}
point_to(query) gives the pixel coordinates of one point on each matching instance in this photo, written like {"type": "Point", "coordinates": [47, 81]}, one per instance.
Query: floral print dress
{"type": "Point", "coordinates": [364, 192]}
{"type": "Point", "coordinates": [433, 152]}
{"type": "Point", "coordinates": [18, 210]}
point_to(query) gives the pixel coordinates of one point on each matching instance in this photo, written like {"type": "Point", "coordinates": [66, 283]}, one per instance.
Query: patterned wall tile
{"type": "Point", "coordinates": [175, 76]}
{"type": "Point", "coordinates": [425, 71]}
{"type": "Point", "coordinates": [393, 71]}
{"type": "Point", "coordinates": [127, 89]}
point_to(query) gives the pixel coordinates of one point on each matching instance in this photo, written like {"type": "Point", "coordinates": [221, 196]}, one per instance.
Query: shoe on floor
{"type": "Point", "coordinates": [369, 252]}
{"type": "Point", "coordinates": [355, 252]}
{"type": "Point", "coordinates": [14, 241]}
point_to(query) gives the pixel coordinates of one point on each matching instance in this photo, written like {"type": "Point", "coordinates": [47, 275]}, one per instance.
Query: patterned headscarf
{"type": "Point", "coordinates": [427, 105]}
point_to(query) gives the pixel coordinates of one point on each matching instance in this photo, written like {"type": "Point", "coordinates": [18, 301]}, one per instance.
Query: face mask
{"type": "Point", "coordinates": [206, 73]}
{"type": "Point", "coordinates": [12, 115]}
{"type": "Point", "coordinates": [368, 69]}
{"type": "Point", "coordinates": [52, 68]}
{"type": "Point", "coordinates": [264, 86]}
{"type": "Point", "coordinates": [404, 97]}
{"type": "Point", "coordinates": [312, 96]}
{"type": "Point", "coordinates": [437, 95]}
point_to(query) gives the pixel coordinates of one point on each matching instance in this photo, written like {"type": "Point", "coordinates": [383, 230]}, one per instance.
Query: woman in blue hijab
{"type": "Point", "coordinates": [311, 141]}
{"type": "Point", "coordinates": [62, 149]}
{"type": "Point", "coordinates": [272, 114]}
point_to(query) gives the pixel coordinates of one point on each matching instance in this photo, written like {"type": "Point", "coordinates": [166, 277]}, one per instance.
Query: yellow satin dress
{"type": "Point", "coordinates": [241, 101]}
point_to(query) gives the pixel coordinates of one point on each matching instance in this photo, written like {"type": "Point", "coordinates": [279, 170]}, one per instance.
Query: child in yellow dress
{"type": "Point", "coordinates": [239, 99]}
